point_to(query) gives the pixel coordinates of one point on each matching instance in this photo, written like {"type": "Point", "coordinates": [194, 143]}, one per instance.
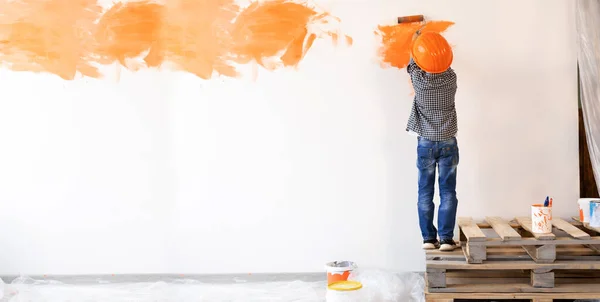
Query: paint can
{"type": "Point", "coordinates": [338, 271]}
{"type": "Point", "coordinates": [584, 209]}
{"type": "Point", "coordinates": [595, 213]}
{"type": "Point", "coordinates": [345, 291]}
{"type": "Point", "coordinates": [541, 219]}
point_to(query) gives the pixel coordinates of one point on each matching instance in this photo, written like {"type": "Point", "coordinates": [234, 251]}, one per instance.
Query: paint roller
{"type": "Point", "coordinates": [411, 19]}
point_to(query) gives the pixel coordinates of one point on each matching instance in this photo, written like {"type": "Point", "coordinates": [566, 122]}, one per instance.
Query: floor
{"type": "Point", "coordinates": [377, 286]}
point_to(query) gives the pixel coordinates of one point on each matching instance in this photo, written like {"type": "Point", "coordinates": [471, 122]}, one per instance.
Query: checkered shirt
{"type": "Point", "coordinates": [433, 114]}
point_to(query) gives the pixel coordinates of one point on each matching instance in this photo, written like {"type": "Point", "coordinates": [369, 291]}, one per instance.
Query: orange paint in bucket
{"type": "Point", "coordinates": [335, 277]}
{"type": "Point", "coordinates": [339, 271]}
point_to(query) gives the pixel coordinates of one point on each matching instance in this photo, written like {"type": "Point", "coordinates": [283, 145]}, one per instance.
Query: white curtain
{"type": "Point", "coordinates": [588, 31]}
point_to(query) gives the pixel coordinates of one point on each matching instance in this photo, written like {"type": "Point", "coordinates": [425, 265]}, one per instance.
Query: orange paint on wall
{"type": "Point", "coordinates": [54, 36]}
{"type": "Point", "coordinates": [396, 40]}
{"type": "Point", "coordinates": [130, 30]}
{"type": "Point", "coordinates": [280, 32]}
{"type": "Point", "coordinates": [196, 36]}
{"type": "Point", "coordinates": [203, 37]}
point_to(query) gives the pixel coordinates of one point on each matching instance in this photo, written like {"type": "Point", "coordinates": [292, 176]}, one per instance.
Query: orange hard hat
{"type": "Point", "coordinates": [432, 52]}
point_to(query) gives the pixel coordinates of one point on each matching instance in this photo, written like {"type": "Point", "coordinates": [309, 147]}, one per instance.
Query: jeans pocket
{"type": "Point", "coordinates": [425, 158]}
{"type": "Point", "coordinates": [449, 156]}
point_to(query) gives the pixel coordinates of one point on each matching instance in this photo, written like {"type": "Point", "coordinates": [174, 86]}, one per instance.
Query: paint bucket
{"type": "Point", "coordinates": [595, 213]}
{"type": "Point", "coordinates": [338, 271]}
{"type": "Point", "coordinates": [344, 291]}
{"type": "Point", "coordinates": [584, 209]}
{"type": "Point", "coordinates": [541, 219]}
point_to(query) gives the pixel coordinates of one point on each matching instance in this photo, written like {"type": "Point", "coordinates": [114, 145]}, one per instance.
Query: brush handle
{"type": "Point", "coordinates": [411, 19]}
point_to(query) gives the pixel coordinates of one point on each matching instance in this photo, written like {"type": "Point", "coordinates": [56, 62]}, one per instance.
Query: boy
{"type": "Point", "coordinates": [433, 119]}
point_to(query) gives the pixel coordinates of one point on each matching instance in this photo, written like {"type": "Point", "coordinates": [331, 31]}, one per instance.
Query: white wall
{"type": "Point", "coordinates": [164, 172]}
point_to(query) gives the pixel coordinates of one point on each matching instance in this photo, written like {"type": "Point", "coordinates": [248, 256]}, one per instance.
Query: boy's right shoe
{"type": "Point", "coordinates": [431, 244]}
{"type": "Point", "coordinates": [448, 245]}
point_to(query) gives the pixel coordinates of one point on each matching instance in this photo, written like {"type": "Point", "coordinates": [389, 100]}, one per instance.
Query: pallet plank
{"type": "Point", "coordinates": [510, 296]}
{"type": "Point", "coordinates": [519, 280]}
{"type": "Point", "coordinates": [569, 229]}
{"type": "Point", "coordinates": [519, 257]}
{"type": "Point", "coordinates": [593, 275]}
{"type": "Point", "coordinates": [470, 229]}
{"type": "Point", "coordinates": [534, 241]}
{"type": "Point", "coordinates": [574, 250]}
{"type": "Point", "coordinates": [507, 265]}
{"type": "Point", "coordinates": [486, 225]}
{"type": "Point", "coordinates": [517, 253]}
{"type": "Point", "coordinates": [525, 222]}
{"type": "Point", "coordinates": [502, 228]}
{"type": "Point", "coordinates": [520, 288]}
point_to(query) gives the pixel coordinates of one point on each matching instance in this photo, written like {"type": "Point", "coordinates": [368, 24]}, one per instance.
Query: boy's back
{"type": "Point", "coordinates": [433, 114]}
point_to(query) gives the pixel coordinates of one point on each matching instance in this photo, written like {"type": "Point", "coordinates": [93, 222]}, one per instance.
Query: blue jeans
{"type": "Point", "coordinates": [444, 155]}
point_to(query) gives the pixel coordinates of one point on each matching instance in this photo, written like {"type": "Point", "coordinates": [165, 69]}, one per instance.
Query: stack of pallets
{"type": "Point", "coordinates": [499, 260]}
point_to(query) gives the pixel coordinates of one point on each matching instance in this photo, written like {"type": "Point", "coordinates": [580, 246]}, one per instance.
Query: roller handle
{"type": "Point", "coordinates": [411, 19]}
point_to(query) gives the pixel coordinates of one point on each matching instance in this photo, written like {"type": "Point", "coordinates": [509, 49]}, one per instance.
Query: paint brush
{"type": "Point", "coordinates": [546, 201]}
{"type": "Point", "coordinates": [550, 204]}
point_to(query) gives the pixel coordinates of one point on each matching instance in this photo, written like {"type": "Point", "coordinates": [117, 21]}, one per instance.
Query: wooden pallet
{"type": "Point", "coordinates": [504, 260]}
{"type": "Point", "coordinates": [541, 247]}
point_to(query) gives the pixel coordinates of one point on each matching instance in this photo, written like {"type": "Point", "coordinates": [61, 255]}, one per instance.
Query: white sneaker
{"type": "Point", "coordinates": [430, 244]}
{"type": "Point", "coordinates": [448, 245]}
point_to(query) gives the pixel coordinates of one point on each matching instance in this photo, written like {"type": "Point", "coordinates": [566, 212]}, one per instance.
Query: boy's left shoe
{"type": "Point", "coordinates": [447, 245]}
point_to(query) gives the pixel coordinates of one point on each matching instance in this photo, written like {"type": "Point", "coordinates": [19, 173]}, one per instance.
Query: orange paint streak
{"type": "Point", "coordinates": [204, 38]}
{"type": "Point", "coordinates": [196, 36]}
{"type": "Point", "coordinates": [129, 30]}
{"type": "Point", "coordinates": [396, 40]}
{"type": "Point", "coordinates": [280, 32]}
{"type": "Point", "coordinates": [54, 36]}
{"type": "Point", "coordinates": [191, 35]}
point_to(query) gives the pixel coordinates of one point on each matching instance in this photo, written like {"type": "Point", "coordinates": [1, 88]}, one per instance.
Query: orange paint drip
{"type": "Point", "coordinates": [396, 40]}
{"type": "Point", "coordinates": [280, 32]}
{"type": "Point", "coordinates": [349, 40]}
{"type": "Point", "coordinates": [54, 36]}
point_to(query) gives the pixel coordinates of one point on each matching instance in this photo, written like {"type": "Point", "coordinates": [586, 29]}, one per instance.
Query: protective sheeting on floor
{"type": "Point", "coordinates": [378, 286]}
